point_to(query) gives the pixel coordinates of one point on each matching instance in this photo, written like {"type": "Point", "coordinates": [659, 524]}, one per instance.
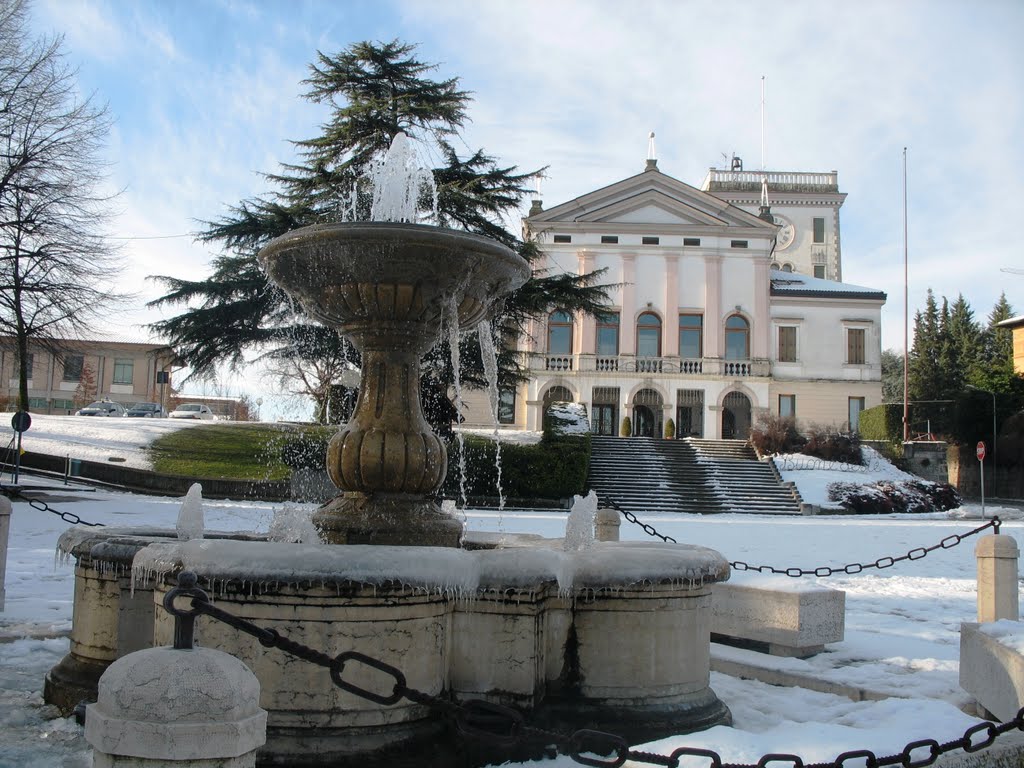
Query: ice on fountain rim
{"type": "Point", "coordinates": [604, 565]}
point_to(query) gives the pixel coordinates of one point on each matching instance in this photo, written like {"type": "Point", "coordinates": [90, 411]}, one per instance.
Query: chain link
{"type": "Point", "coordinates": [503, 726]}
{"type": "Point", "coordinates": [849, 569]}
{"type": "Point", "coordinates": [14, 494]}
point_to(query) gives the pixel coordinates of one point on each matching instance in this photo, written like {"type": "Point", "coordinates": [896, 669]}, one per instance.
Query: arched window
{"type": "Point", "coordinates": [648, 335]}
{"type": "Point", "coordinates": [787, 267]}
{"type": "Point", "coordinates": [559, 333]}
{"type": "Point", "coordinates": [737, 338]}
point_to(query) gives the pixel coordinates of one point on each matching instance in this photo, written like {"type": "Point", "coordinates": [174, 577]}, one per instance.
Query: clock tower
{"type": "Point", "coordinates": [805, 207]}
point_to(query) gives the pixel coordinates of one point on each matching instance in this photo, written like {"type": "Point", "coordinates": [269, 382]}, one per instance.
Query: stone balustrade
{"type": "Point", "coordinates": [673, 366]}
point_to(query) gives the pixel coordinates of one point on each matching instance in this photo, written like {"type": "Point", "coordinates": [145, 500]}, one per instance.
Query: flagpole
{"type": "Point", "coordinates": [906, 313]}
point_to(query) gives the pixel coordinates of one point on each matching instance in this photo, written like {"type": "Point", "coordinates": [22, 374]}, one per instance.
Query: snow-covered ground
{"type": "Point", "coordinates": [902, 623]}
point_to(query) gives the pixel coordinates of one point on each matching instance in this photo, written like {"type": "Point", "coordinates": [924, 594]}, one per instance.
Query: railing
{"type": "Point", "coordinates": [743, 180]}
{"type": "Point", "coordinates": [707, 366]}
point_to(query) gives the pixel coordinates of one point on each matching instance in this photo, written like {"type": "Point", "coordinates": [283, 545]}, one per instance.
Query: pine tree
{"type": "Point", "coordinates": [965, 338]}
{"type": "Point", "coordinates": [925, 377]}
{"type": "Point", "coordinates": [373, 92]}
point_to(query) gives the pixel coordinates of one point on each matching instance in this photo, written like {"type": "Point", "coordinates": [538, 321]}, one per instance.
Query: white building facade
{"type": "Point", "coordinates": [720, 310]}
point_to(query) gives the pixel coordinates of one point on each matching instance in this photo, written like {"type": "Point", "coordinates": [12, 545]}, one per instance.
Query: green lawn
{"type": "Point", "coordinates": [239, 451]}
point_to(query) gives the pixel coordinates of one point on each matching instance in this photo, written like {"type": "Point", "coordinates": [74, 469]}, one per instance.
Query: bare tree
{"type": "Point", "coordinates": [56, 265]}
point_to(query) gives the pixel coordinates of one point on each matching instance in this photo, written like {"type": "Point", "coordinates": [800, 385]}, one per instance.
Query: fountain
{"type": "Point", "coordinates": [577, 634]}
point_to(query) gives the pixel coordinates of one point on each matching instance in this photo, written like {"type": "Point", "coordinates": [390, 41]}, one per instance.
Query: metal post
{"type": "Point", "coordinates": [5, 529]}
{"type": "Point", "coordinates": [981, 463]}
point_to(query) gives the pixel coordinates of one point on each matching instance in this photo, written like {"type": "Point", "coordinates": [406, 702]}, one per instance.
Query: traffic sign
{"type": "Point", "coordinates": [980, 450]}
{"type": "Point", "coordinates": [21, 421]}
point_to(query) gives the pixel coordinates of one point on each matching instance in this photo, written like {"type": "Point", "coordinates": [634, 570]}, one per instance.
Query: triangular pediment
{"type": "Point", "coordinates": [652, 198]}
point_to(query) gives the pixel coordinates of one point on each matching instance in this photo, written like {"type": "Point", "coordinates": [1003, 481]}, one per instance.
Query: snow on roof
{"type": "Point", "coordinates": [1012, 322]}
{"type": "Point", "coordinates": [794, 284]}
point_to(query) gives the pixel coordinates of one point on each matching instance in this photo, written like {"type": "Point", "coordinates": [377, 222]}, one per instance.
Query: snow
{"type": "Point", "coordinates": [813, 476]}
{"type": "Point", "coordinates": [1008, 633]}
{"type": "Point", "coordinates": [95, 438]}
{"type": "Point", "coordinates": [902, 623]}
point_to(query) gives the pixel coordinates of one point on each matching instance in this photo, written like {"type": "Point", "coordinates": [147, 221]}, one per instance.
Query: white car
{"type": "Point", "coordinates": [193, 411]}
{"type": "Point", "coordinates": [101, 408]}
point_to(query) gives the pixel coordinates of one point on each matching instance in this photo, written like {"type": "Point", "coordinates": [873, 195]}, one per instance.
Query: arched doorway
{"type": "Point", "coordinates": [736, 413]}
{"type": "Point", "coordinates": [647, 413]}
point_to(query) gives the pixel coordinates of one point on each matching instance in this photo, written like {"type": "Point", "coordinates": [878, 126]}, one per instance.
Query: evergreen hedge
{"type": "Point", "coordinates": [884, 423]}
{"type": "Point", "coordinates": [554, 468]}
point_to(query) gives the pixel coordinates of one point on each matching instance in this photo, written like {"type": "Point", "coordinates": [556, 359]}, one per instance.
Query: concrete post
{"type": "Point", "coordinates": [5, 532]}
{"type": "Point", "coordinates": [164, 708]}
{"type": "Point", "coordinates": [606, 525]}
{"type": "Point", "coordinates": [997, 578]}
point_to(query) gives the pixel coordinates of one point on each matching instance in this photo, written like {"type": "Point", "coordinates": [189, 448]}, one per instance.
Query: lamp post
{"type": "Point", "coordinates": [992, 490]}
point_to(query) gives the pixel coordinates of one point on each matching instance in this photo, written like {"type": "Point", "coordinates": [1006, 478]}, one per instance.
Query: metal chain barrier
{"type": "Point", "coordinates": [826, 570]}
{"type": "Point", "coordinates": [68, 517]}
{"type": "Point", "coordinates": [505, 727]}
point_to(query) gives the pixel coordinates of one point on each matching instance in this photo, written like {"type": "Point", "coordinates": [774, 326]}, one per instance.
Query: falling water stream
{"type": "Point", "coordinates": [490, 359]}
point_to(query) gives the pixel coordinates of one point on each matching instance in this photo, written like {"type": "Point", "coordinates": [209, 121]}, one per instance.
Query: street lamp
{"type": "Point", "coordinates": [994, 453]}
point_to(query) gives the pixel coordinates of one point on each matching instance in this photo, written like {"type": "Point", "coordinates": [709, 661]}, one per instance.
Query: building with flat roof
{"type": "Point", "coordinates": [67, 374]}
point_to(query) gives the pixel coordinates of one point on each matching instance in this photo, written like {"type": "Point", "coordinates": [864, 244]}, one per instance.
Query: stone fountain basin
{"type": "Point", "coordinates": [351, 273]}
{"type": "Point", "coordinates": [615, 636]}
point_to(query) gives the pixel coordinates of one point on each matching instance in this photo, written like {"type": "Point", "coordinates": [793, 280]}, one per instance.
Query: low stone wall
{"type": "Point", "coordinates": [991, 671]}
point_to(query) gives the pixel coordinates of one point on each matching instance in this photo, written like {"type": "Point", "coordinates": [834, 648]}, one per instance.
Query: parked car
{"type": "Point", "coordinates": [193, 411]}
{"type": "Point", "coordinates": [101, 408]}
{"type": "Point", "coordinates": [146, 411]}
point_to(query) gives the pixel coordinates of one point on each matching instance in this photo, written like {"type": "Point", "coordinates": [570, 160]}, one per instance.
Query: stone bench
{"type": "Point", "coordinates": [783, 618]}
{"type": "Point", "coordinates": [991, 668]}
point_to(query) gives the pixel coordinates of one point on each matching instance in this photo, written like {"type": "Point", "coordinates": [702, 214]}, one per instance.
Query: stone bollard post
{"type": "Point", "coordinates": [164, 707]}
{"type": "Point", "coordinates": [997, 578]}
{"type": "Point", "coordinates": [5, 531]}
{"type": "Point", "coordinates": [606, 525]}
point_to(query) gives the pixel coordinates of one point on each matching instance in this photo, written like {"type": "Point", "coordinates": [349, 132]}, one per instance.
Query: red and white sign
{"type": "Point", "coordinates": [980, 450]}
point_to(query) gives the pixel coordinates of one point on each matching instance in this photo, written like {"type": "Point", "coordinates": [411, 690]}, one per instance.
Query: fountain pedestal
{"type": "Point", "coordinates": [390, 289]}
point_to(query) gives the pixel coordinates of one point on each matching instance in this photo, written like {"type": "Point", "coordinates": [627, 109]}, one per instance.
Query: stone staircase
{"type": "Point", "coordinates": [643, 474]}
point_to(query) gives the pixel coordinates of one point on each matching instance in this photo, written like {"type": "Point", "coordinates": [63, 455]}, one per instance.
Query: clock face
{"type": "Point", "coordinates": [786, 235]}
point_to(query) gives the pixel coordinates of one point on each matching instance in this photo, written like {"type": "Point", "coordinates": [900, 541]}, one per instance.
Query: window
{"type": "Point", "coordinates": [787, 267]}
{"type": "Point", "coordinates": [650, 240]}
{"type": "Point", "coordinates": [691, 241]}
{"type": "Point", "coordinates": [124, 368]}
{"type": "Point", "coordinates": [819, 230]}
{"type": "Point", "coordinates": [855, 346]}
{"type": "Point", "coordinates": [608, 334]}
{"type": "Point", "coordinates": [819, 271]}
{"type": "Point", "coordinates": [559, 333]}
{"type": "Point", "coordinates": [787, 406]}
{"type": "Point", "coordinates": [64, 405]}
{"type": "Point", "coordinates": [507, 406]}
{"type": "Point", "coordinates": [38, 402]}
{"type": "Point", "coordinates": [73, 365]}
{"type": "Point", "coordinates": [856, 405]}
{"type": "Point", "coordinates": [787, 344]}
{"type": "Point", "coordinates": [563, 238]}
{"type": "Point", "coordinates": [611, 239]}
{"type": "Point", "coordinates": [737, 338]}
{"type": "Point", "coordinates": [739, 243]}
{"type": "Point", "coordinates": [648, 335]}
{"type": "Point", "coordinates": [691, 336]}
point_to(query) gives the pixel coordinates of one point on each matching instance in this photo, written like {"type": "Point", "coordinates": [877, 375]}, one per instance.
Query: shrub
{"type": "Point", "coordinates": [776, 434]}
{"type": "Point", "coordinates": [627, 427]}
{"type": "Point", "coordinates": [883, 423]}
{"type": "Point", "coordinates": [308, 451]}
{"type": "Point", "coordinates": [832, 445]}
{"type": "Point", "coordinates": [670, 429]}
{"type": "Point", "coordinates": [890, 496]}
{"type": "Point", "coordinates": [554, 468]}
{"type": "Point", "coordinates": [566, 419]}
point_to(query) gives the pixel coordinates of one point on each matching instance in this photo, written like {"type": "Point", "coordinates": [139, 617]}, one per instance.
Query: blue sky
{"type": "Point", "coordinates": [206, 95]}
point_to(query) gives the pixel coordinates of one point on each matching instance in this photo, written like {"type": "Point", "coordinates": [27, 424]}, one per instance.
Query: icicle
{"type": "Point", "coordinates": [490, 360]}
{"type": "Point", "coordinates": [452, 323]}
